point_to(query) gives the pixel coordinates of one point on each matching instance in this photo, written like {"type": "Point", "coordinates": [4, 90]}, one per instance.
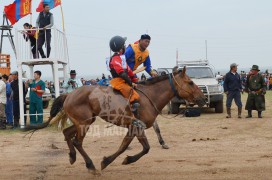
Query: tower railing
{"type": "Point", "coordinates": [29, 54]}
{"type": "Point", "coordinates": [24, 48]}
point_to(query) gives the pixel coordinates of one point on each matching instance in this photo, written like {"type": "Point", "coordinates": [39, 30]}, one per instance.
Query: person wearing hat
{"type": "Point", "coordinates": [15, 98]}
{"type": "Point", "coordinates": [256, 89]}
{"type": "Point", "coordinates": [233, 89]}
{"type": "Point", "coordinates": [3, 100]}
{"type": "Point", "coordinates": [72, 83]}
{"type": "Point", "coordinates": [123, 77]}
{"type": "Point", "coordinates": [137, 54]}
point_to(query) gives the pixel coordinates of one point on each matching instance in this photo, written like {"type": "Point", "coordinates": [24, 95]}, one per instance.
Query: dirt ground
{"type": "Point", "coordinates": [207, 147]}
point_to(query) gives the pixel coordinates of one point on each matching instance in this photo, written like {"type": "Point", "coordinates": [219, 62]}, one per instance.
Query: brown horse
{"type": "Point", "coordinates": [84, 104]}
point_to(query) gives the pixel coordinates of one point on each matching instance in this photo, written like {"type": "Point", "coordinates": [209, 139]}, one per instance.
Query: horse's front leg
{"type": "Point", "coordinates": [158, 132]}
{"type": "Point", "coordinates": [126, 141]}
{"type": "Point", "coordinates": [143, 140]}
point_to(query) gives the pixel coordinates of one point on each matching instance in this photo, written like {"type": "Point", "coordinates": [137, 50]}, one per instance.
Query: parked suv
{"type": "Point", "coordinates": [203, 75]}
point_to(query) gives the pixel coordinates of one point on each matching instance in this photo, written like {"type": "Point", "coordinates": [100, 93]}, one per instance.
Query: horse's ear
{"type": "Point", "coordinates": [183, 71]}
{"type": "Point", "coordinates": [175, 69]}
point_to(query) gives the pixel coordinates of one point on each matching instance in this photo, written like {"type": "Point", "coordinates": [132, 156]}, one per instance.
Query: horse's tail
{"type": "Point", "coordinates": [56, 114]}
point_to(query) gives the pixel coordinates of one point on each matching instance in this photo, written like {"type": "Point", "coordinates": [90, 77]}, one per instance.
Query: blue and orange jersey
{"type": "Point", "coordinates": [135, 57]}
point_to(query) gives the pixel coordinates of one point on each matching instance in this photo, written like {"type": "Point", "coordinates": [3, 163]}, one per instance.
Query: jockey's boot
{"type": "Point", "coordinates": [240, 112]}
{"type": "Point", "coordinates": [260, 114]}
{"type": "Point", "coordinates": [228, 113]}
{"type": "Point", "coordinates": [135, 109]}
{"type": "Point", "coordinates": [249, 114]}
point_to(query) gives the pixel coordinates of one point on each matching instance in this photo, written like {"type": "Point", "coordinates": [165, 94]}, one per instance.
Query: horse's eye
{"type": "Point", "coordinates": [191, 83]}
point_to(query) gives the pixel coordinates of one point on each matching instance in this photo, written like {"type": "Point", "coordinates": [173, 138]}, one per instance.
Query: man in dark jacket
{"type": "Point", "coordinates": [15, 98]}
{"type": "Point", "coordinates": [233, 88]}
{"type": "Point", "coordinates": [44, 22]}
{"type": "Point", "coordinates": [256, 89]}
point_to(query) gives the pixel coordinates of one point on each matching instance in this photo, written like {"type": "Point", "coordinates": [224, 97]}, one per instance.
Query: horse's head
{"type": "Point", "coordinates": [186, 88]}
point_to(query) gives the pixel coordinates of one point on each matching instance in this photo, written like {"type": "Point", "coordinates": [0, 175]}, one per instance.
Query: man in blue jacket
{"type": "Point", "coordinates": [137, 54]}
{"type": "Point", "coordinates": [233, 88]}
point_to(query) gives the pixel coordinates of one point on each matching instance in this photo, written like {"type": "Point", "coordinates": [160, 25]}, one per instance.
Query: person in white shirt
{"type": "Point", "coordinates": [72, 83]}
{"type": "Point", "coordinates": [3, 100]}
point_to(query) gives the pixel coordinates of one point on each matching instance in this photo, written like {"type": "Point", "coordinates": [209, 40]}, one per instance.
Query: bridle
{"type": "Point", "coordinates": [170, 77]}
{"type": "Point", "coordinates": [173, 86]}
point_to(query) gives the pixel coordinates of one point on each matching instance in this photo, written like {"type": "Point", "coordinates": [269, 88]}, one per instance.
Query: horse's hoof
{"type": "Point", "coordinates": [95, 172]}
{"type": "Point", "coordinates": [165, 146]}
{"type": "Point", "coordinates": [72, 161]}
{"type": "Point", "coordinates": [90, 165]}
{"type": "Point", "coordinates": [127, 160]}
{"type": "Point", "coordinates": [72, 158]}
{"type": "Point", "coordinates": [104, 163]}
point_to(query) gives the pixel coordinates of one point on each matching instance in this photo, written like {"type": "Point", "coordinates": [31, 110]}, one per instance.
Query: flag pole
{"type": "Point", "coordinates": [65, 40]}
{"type": "Point", "coordinates": [63, 28]}
{"type": "Point", "coordinates": [31, 19]}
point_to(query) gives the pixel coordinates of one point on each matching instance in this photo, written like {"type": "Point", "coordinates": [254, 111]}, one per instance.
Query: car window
{"type": "Point", "coordinates": [199, 72]}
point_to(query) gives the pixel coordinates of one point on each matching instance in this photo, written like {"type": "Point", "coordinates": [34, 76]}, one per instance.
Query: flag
{"type": "Point", "coordinates": [51, 3]}
{"type": "Point", "coordinates": [17, 10]}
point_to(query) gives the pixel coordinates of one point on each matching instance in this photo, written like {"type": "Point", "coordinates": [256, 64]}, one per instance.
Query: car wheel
{"type": "Point", "coordinates": [219, 107]}
{"type": "Point", "coordinates": [45, 104]}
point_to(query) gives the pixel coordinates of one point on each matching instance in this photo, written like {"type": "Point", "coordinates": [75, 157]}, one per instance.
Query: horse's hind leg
{"type": "Point", "coordinates": [126, 141]}
{"type": "Point", "coordinates": [81, 133]}
{"type": "Point", "coordinates": [69, 133]}
{"type": "Point", "coordinates": [158, 132]}
{"type": "Point", "coordinates": [143, 140]}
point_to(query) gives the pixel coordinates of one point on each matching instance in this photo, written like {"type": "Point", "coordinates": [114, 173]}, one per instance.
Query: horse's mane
{"type": "Point", "coordinates": [154, 80]}
{"type": "Point", "coordinates": [160, 78]}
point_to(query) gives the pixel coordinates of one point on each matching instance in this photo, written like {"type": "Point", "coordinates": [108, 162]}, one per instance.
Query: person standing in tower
{"type": "Point", "coordinates": [44, 21]}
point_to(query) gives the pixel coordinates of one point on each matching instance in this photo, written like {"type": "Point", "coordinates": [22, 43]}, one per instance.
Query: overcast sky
{"type": "Point", "coordinates": [236, 31]}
